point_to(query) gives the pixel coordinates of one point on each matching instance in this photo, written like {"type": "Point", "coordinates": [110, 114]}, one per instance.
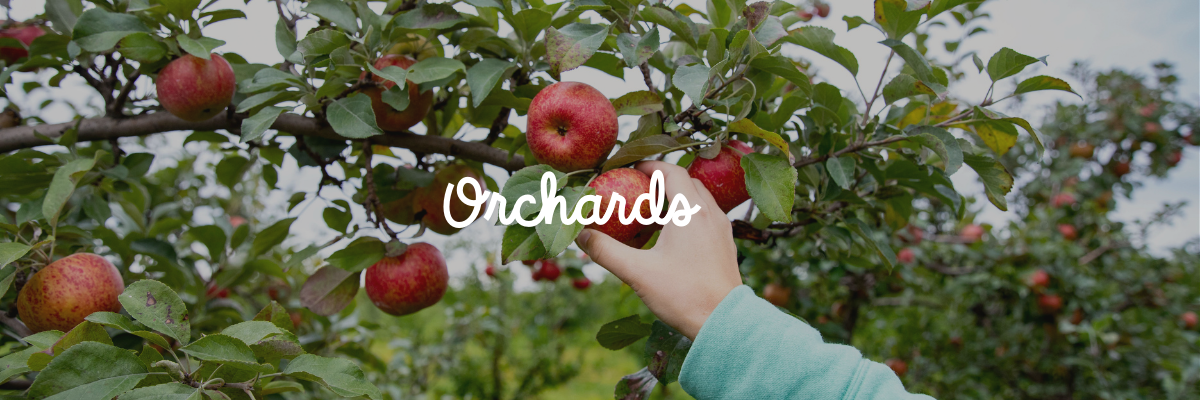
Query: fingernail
{"type": "Point", "coordinates": [582, 239]}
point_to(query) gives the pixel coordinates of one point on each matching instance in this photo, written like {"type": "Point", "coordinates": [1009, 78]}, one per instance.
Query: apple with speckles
{"type": "Point", "coordinates": [629, 183]}
{"type": "Point", "coordinates": [409, 282]}
{"type": "Point", "coordinates": [23, 33]}
{"type": "Point", "coordinates": [65, 292]}
{"type": "Point", "coordinates": [723, 175]}
{"type": "Point", "coordinates": [195, 89]}
{"type": "Point", "coordinates": [572, 126]}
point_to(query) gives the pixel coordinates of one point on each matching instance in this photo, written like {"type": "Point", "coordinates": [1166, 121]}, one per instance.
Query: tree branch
{"type": "Point", "coordinates": [16, 325]}
{"type": "Point", "coordinates": [104, 128]}
{"type": "Point", "coordinates": [849, 149]}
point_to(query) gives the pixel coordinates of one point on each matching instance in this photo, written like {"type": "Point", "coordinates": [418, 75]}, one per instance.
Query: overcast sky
{"type": "Point", "coordinates": [1106, 33]}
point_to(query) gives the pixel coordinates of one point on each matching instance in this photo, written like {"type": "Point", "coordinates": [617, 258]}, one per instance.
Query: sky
{"type": "Point", "coordinates": [1105, 33]}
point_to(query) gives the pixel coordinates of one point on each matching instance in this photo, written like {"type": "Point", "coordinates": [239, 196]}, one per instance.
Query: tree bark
{"type": "Point", "coordinates": [105, 128]}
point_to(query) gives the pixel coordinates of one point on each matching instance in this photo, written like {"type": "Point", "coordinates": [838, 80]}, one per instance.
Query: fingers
{"type": "Point", "coordinates": [706, 198]}
{"type": "Point", "coordinates": [614, 256]}
{"type": "Point", "coordinates": [675, 178]}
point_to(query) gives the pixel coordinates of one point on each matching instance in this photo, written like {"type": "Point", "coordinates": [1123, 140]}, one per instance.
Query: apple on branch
{"type": "Point", "coordinates": [409, 282]}
{"type": "Point", "coordinates": [419, 103]}
{"type": "Point", "coordinates": [723, 175]}
{"type": "Point", "coordinates": [195, 89]}
{"type": "Point", "coordinates": [572, 126]}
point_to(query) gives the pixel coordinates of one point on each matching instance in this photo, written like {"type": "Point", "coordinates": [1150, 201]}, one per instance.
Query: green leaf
{"type": "Point", "coordinates": [483, 76]}
{"type": "Point", "coordinates": [556, 236]}
{"type": "Point", "coordinates": [142, 47]}
{"type": "Point", "coordinates": [63, 14]}
{"type": "Point", "coordinates": [665, 351]}
{"type": "Point", "coordinates": [841, 170]}
{"type": "Point", "coordinates": [12, 251]}
{"type": "Point", "coordinates": [895, 19]}
{"type": "Point", "coordinates": [879, 244]}
{"type": "Point", "coordinates": [638, 103]}
{"type": "Point", "coordinates": [329, 290]}
{"type": "Point", "coordinates": [920, 67]}
{"type": "Point", "coordinates": [637, 50]}
{"type": "Point", "coordinates": [786, 69]}
{"type": "Point", "coordinates": [904, 86]}
{"type": "Point", "coordinates": [254, 127]}
{"type": "Point", "coordinates": [285, 41]}
{"type": "Point", "coordinates": [111, 320]}
{"type": "Point", "coordinates": [999, 135]}
{"type": "Point", "coordinates": [201, 47]}
{"type": "Point", "coordinates": [997, 181]}
{"type": "Point", "coordinates": [358, 255]}
{"type": "Point", "coordinates": [157, 307]}
{"type": "Point", "coordinates": [335, 11]}
{"type": "Point", "coordinates": [395, 98]}
{"type": "Point", "coordinates": [63, 185]}
{"type": "Point", "coordinates": [623, 332]}
{"type": "Point", "coordinates": [939, 6]}
{"type": "Point", "coordinates": [769, 31]}
{"type": "Point", "coordinates": [165, 391]}
{"type": "Point", "coordinates": [693, 81]}
{"type": "Point", "coordinates": [353, 117]}
{"type": "Point", "coordinates": [343, 377]}
{"type": "Point", "coordinates": [392, 73]}
{"type": "Point", "coordinates": [683, 27]}
{"type": "Point", "coordinates": [281, 387]}
{"type": "Point", "coordinates": [750, 128]}
{"type": "Point", "coordinates": [85, 331]}
{"type": "Point", "coordinates": [271, 237]}
{"type": "Point", "coordinates": [226, 350]}
{"type": "Point", "coordinates": [983, 113]}
{"type": "Point", "coordinates": [571, 46]}
{"type": "Point", "coordinates": [213, 238]}
{"type": "Point", "coordinates": [771, 181]}
{"type": "Point", "coordinates": [528, 181]}
{"type": "Point", "coordinates": [521, 243]}
{"type": "Point", "coordinates": [277, 315]}
{"type": "Point", "coordinates": [636, 150]}
{"type": "Point", "coordinates": [429, 16]}
{"type": "Point", "coordinates": [978, 62]}
{"type": "Point", "coordinates": [530, 22]}
{"type": "Point", "coordinates": [182, 8]}
{"type": "Point", "coordinates": [321, 42]}
{"type": "Point", "coordinates": [942, 143]}
{"type": "Point", "coordinates": [1043, 82]}
{"type": "Point", "coordinates": [98, 30]}
{"type": "Point", "coordinates": [88, 370]}
{"type": "Point", "coordinates": [820, 40]}
{"type": "Point", "coordinates": [433, 69]}
{"type": "Point", "coordinates": [1007, 62]}
{"type": "Point", "coordinates": [251, 332]}
{"type": "Point", "coordinates": [7, 275]}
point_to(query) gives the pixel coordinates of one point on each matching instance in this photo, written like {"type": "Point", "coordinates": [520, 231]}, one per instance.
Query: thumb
{"type": "Point", "coordinates": [608, 252]}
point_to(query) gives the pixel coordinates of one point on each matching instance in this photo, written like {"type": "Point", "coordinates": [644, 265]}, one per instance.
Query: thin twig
{"type": "Point", "coordinates": [849, 149]}
{"type": "Point", "coordinates": [372, 202]}
{"type": "Point", "coordinates": [878, 86]}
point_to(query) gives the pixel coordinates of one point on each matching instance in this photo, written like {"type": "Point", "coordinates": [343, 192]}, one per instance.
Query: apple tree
{"type": "Point", "coordinates": [727, 91]}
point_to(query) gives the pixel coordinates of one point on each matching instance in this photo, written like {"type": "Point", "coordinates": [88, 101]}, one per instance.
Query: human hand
{"type": "Point", "coordinates": [690, 269]}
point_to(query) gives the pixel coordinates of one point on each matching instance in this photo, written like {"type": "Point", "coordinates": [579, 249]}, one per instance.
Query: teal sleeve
{"type": "Point", "coordinates": [748, 349]}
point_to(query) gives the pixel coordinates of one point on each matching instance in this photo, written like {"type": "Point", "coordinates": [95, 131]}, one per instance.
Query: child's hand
{"type": "Point", "coordinates": [690, 269]}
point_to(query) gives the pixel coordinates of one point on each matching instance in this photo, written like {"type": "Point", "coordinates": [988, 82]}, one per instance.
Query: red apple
{"type": "Point", "coordinates": [971, 233]}
{"type": "Point", "coordinates": [956, 341]}
{"type": "Point", "coordinates": [1148, 110]}
{"type": "Point", "coordinates": [571, 126]}
{"type": "Point", "coordinates": [409, 282]}
{"type": "Point", "coordinates": [62, 294]}
{"type": "Point", "coordinates": [918, 235]}
{"type": "Point", "coordinates": [24, 34]}
{"type": "Point", "coordinates": [236, 220]}
{"type": "Point", "coordinates": [1189, 319]}
{"type": "Point", "coordinates": [1174, 158]}
{"type": "Point", "coordinates": [906, 256]}
{"type": "Point", "coordinates": [777, 294]}
{"type": "Point", "coordinates": [581, 283]}
{"type": "Point", "coordinates": [387, 117]}
{"type": "Point", "coordinates": [297, 318]}
{"type": "Point", "coordinates": [529, 262]}
{"type": "Point", "coordinates": [195, 89]}
{"type": "Point", "coordinates": [1077, 316]}
{"type": "Point", "coordinates": [490, 270]}
{"type": "Point", "coordinates": [805, 15]}
{"type": "Point", "coordinates": [1050, 303]}
{"type": "Point", "coordinates": [1082, 150]}
{"type": "Point", "coordinates": [629, 183]}
{"type": "Point", "coordinates": [1151, 129]}
{"type": "Point", "coordinates": [723, 175]}
{"type": "Point", "coordinates": [1062, 199]}
{"type": "Point", "coordinates": [1038, 279]}
{"type": "Point", "coordinates": [1121, 169]}
{"type": "Point", "coordinates": [215, 292]}
{"type": "Point", "coordinates": [431, 199]}
{"type": "Point", "coordinates": [1068, 231]}
{"type": "Point", "coordinates": [822, 10]}
{"type": "Point", "coordinates": [549, 271]}
{"type": "Point", "coordinates": [898, 366]}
